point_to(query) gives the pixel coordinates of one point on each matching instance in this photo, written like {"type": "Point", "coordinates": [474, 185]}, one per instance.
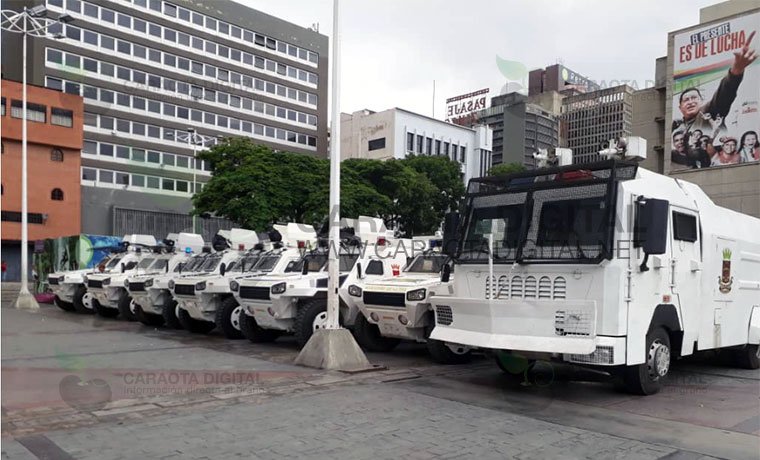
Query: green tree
{"type": "Point", "coordinates": [505, 168]}
{"type": "Point", "coordinates": [445, 174]}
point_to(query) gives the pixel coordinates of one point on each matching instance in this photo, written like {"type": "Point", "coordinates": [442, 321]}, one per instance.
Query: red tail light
{"type": "Point", "coordinates": [241, 247]}
{"type": "Point", "coordinates": [301, 244]}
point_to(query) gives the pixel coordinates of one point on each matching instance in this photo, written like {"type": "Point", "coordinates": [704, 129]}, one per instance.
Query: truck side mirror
{"type": "Point", "coordinates": [305, 268]}
{"type": "Point", "coordinates": [359, 270]}
{"type": "Point", "coordinates": [222, 268]}
{"type": "Point", "coordinates": [450, 227]}
{"type": "Point", "coordinates": [651, 228]}
{"type": "Point", "coordinates": [181, 266]}
{"type": "Point", "coordinates": [445, 273]}
{"type": "Point", "coordinates": [122, 267]}
{"type": "Point", "coordinates": [166, 267]}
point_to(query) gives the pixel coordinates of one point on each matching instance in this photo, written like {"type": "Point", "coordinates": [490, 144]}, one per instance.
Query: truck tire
{"type": "Point", "coordinates": [197, 326]}
{"type": "Point", "coordinates": [311, 316]}
{"type": "Point", "coordinates": [63, 305]}
{"type": "Point", "coordinates": [254, 332]}
{"type": "Point", "coordinates": [748, 357]}
{"type": "Point", "coordinates": [148, 319]}
{"type": "Point", "coordinates": [169, 312]}
{"type": "Point", "coordinates": [105, 312]}
{"type": "Point", "coordinates": [83, 301]}
{"type": "Point", "coordinates": [647, 378]}
{"type": "Point", "coordinates": [443, 353]}
{"type": "Point", "coordinates": [514, 365]}
{"type": "Point", "coordinates": [228, 318]}
{"type": "Point", "coordinates": [368, 335]}
{"type": "Point", "coordinates": [125, 308]}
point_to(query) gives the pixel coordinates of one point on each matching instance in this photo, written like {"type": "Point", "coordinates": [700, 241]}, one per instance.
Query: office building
{"type": "Point", "coordinates": [590, 119]}
{"type": "Point", "coordinates": [396, 133]}
{"type": "Point", "coordinates": [54, 143]}
{"type": "Point", "coordinates": [149, 70]}
{"type": "Point", "coordinates": [560, 79]}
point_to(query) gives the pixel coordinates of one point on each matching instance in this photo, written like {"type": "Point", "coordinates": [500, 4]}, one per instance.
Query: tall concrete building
{"type": "Point", "coordinates": [649, 119]}
{"type": "Point", "coordinates": [151, 69]}
{"type": "Point", "coordinates": [560, 79]}
{"type": "Point", "coordinates": [396, 133]}
{"type": "Point", "coordinates": [595, 117]}
{"type": "Point", "coordinates": [520, 128]}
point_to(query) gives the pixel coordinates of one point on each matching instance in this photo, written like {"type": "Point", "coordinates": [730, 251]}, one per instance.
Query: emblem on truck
{"type": "Point", "coordinates": [725, 280]}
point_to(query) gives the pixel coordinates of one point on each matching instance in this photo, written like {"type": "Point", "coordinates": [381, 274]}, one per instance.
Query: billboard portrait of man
{"type": "Point", "coordinates": [716, 92]}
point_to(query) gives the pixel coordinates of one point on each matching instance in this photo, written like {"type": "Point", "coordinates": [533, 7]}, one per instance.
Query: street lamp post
{"type": "Point", "coordinates": [193, 139]}
{"type": "Point", "coordinates": [29, 21]}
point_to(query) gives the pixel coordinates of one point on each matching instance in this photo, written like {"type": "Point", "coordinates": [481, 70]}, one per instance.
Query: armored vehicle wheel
{"type": "Point", "coordinates": [66, 306]}
{"type": "Point", "coordinates": [254, 332]}
{"type": "Point", "coordinates": [169, 312]}
{"type": "Point", "coordinates": [228, 318]}
{"type": "Point", "coordinates": [148, 319]}
{"type": "Point", "coordinates": [310, 317]}
{"type": "Point", "coordinates": [368, 335]}
{"type": "Point", "coordinates": [748, 357]}
{"type": "Point", "coordinates": [83, 301]}
{"type": "Point", "coordinates": [448, 353]}
{"type": "Point", "coordinates": [105, 312]}
{"type": "Point", "coordinates": [197, 326]}
{"type": "Point", "coordinates": [126, 305]}
{"type": "Point", "coordinates": [647, 378]}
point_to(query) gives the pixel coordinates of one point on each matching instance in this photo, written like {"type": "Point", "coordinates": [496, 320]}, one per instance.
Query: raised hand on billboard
{"type": "Point", "coordinates": [715, 123]}
{"type": "Point", "coordinates": [744, 57]}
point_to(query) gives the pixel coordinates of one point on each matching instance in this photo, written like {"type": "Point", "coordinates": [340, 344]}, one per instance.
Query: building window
{"type": "Point", "coordinates": [437, 147]}
{"type": "Point", "coordinates": [3, 105]}
{"type": "Point", "coordinates": [62, 117]}
{"type": "Point", "coordinates": [462, 153]}
{"type": "Point", "coordinates": [429, 145]}
{"type": "Point", "coordinates": [377, 144]}
{"type": "Point", "coordinates": [56, 194]}
{"type": "Point", "coordinates": [34, 112]}
{"type": "Point", "coordinates": [56, 155]}
{"type": "Point", "coordinates": [419, 143]}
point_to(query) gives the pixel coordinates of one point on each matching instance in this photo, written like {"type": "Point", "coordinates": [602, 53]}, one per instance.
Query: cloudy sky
{"type": "Point", "coordinates": [392, 50]}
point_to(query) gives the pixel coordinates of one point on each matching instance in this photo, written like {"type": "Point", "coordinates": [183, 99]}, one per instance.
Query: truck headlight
{"type": "Point", "coordinates": [417, 294]}
{"type": "Point", "coordinates": [171, 284]}
{"type": "Point", "coordinates": [126, 284]}
{"type": "Point", "coordinates": [355, 290]}
{"type": "Point", "coordinates": [106, 281]}
{"type": "Point", "coordinates": [234, 286]}
{"type": "Point", "coordinates": [278, 288]}
{"type": "Point", "coordinates": [149, 282]}
{"type": "Point", "coordinates": [200, 286]}
{"type": "Point", "coordinates": [84, 279]}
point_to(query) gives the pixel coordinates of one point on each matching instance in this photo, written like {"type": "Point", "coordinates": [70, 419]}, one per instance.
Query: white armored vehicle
{"type": "Point", "coordinates": [200, 295]}
{"type": "Point", "coordinates": [605, 265]}
{"type": "Point", "coordinates": [398, 307]}
{"type": "Point", "coordinates": [109, 296]}
{"type": "Point", "coordinates": [150, 292]}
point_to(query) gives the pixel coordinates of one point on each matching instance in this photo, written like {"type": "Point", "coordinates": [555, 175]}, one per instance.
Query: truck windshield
{"type": "Point", "coordinates": [159, 264]}
{"type": "Point", "coordinates": [427, 263]}
{"type": "Point", "coordinates": [266, 263]}
{"type": "Point", "coordinates": [113, 262]}
{"type": "Point", "coordinates": [145, 263]}
{"type": "Point", "coordinates": [190, 265]}
{"type": "Point", "coordinates": [566, 223]}
{"type": "Point", "coordinates": [209, 264]}
{"type": "Point", "coordinates": [244, 264]}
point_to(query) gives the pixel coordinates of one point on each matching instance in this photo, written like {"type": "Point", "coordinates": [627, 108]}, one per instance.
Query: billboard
{"type": "Point", "coordinates": [461, 109]}
{"type": "Point", "coordinates": [716, 94]}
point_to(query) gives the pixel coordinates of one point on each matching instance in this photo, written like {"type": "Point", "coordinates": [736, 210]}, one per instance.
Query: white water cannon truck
{"type": "Point", "coordinates": [606, 265]}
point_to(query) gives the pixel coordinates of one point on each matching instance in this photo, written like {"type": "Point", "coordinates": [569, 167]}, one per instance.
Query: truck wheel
{"type": "Point", "coordinates": [254, 332]}
{"type": "Point", "coordinates": [310, 317]}
{"type": "Point", "coordinates": [514, 365]}
{"type": "Point", "coordinates": [65, 306]}
{"type": "Point", "coordinates": [148, 319]}
{"type": "Point", "coordinates": [748, 357]}
{"type": "Point", "coordinates": [169, 312]}
{"type": "Point", "coordinates": [368, 335]}
{"type": "Point", "coordinates": [83, 301]}
{"type": "Point", "coordinates": [197, 326]}
{"type": "Point", "coordinates": [105, 312]}
{"type": "Point", "coordinates": [647, 378]}
{"type": "Point", "coordinates": [228, 318]}
{"type": "Point", "coordinates": [126, 305]}
{"type": "Point", "coordinates": [448, 353]}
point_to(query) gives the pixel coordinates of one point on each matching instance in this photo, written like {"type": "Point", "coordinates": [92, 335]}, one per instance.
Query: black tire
{"type": "Point", "coordinates": [307, 313]}
{"type": "Point", "coordinates": [254, 332]}
{"type": "Point", "coordinates": [645, 379]}
{"type": "Point", "coordinates": [124, 311]}
{"type": "Point", "coordinates": [79, 302]}
{"type": "Point", "coordinates": [368, 335]}
{"type": "Point", "coordinates": [748, 357]}
{"type": "Point", "coordinates": [513, 364]}
{"type": "Point", "coordinates": [169, 312]}
{"type": "Point", "coordinates": [105, 312]}
{"type": "Point", "coordinates": [148, 319]}
{"type": "Point", "coordinates": [442, 354]}
{"type": "Point", "coordinates": [65, 306]}
{"type": "Point", "coordinates": [197, 326]}
{"type": "Point", "coordinates": [225, 320]}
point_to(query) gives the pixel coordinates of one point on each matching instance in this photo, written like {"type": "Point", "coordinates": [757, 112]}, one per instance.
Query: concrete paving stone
{"type": "Point", "coordinates": [124, 410]}
{"type": "Point", "coordinates": [13, 450]}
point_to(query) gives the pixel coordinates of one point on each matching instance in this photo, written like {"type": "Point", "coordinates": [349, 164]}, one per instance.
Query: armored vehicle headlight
{"type": "Point", "coordinates": [126, 284]}
{"type": "Point", "coordinates": [234, 286]}
{"type": "Point", "coordinates": [106, 281]}
{"type": "Point", "coordinates": [171, 284]}
{"type": "Point", "coordinates": [355, 290]}
{"type": "Point", "coordinates": [199, 286]}
{"type": "Point", "coordinates": [417, 294]}
{"type": "Point", "coordinates": [278, 288]}
{"type": "Point", "coordinates": [149, 282]}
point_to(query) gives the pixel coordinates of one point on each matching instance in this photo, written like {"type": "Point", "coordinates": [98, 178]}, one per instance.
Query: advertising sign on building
{"type": "Point", "coordinates": [461, 109]}
{"type": "Point", "coordinates": [716, 94]}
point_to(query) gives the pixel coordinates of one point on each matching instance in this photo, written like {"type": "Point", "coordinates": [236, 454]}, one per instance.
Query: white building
{"type": "Point", "coordinates": [396, 133]}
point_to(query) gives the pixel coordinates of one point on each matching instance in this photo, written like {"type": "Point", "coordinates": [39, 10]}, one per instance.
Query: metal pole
{"type": "Point", "coordinates": [195, 184]}
{"type": "Point", "coordinates": [334, 246]}
{"type": "Point", "coordinates": [24, 209]}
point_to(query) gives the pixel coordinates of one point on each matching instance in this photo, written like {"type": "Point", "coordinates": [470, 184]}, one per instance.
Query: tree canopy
{"type": "Point", "coordinates": [505, 168]}
{"type": "Point", "coordinates": [255, 186]}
